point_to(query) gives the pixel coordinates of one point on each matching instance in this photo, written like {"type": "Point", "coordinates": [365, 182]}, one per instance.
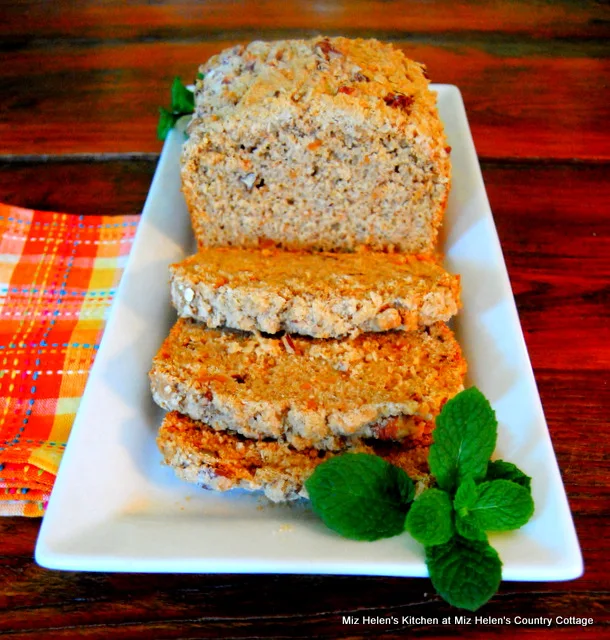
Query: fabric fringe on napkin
{"type": "Point", "coordinates": [58, 277]}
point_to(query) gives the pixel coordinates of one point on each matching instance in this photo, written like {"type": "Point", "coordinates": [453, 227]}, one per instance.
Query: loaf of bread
{"type": "Point", "coordinates": [223, 460]}
{"type": "Point", "coordinates": [310, 393]}
{"type": "Point", "coordinates": [323, 295]}
{"type": "Point", "coordinates": [328, 143]}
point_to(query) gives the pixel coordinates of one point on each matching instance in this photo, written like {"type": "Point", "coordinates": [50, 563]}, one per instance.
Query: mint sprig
{"type": "Point", "coordinates": [365, 498]}
{"type": "Point", "coordinates": [182, 104]}
{"type": "Point", "coordinates": [361, 496]}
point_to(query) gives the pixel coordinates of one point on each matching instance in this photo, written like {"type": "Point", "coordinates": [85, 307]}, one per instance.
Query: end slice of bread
{"type": "Point", "coordinates": [224, 460]}
{"type": "Point", "coordinates": [331, 143]}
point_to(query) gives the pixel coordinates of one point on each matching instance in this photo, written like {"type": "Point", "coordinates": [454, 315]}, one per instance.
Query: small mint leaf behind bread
{"type": "Point", "coordinates": [464, 439]}
{"type": "Point", "coordinates": [361, 496]}
{"type": "Point", "coordinates": [466, 573]}
{"type": "Point", "coordinates": [501, 470]}
{"type": "Point", "coordinates": [183, 100]}
{"type": "Point", "coordinates": [182, 104]}
{"type": "Point", "coordinates": [166, 123]}
{"type": "Point", "coordinates": [430, 518]}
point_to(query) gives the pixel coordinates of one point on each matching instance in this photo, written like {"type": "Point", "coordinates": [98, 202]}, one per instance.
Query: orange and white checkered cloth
{"type": "Point", "coordinates": [58, 277]}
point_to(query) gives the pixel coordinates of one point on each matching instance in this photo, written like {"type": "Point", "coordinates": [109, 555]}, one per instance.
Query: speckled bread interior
{"type": "Point", "coordinates": [311, 393]}
{"type": "Point", "coordinates": [327, 143]}
{"type": "Point", "coordinates": [316, 173]}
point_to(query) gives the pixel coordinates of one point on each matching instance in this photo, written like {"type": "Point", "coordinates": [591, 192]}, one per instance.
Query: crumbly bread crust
{"type": "Point", "coordinates": [311, 393]}
{"type": "Point", "coordinates": [328, 143]}
{"type": "Point", "coordinates": [323, 295]}
{"type": "Point", "coordinates": [222, 460]}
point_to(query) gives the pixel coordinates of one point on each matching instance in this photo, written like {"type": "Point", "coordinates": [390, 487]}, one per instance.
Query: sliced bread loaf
{"type": "Point", "coordinates": [224, 460]}
{"type": "Point", "coordinates": [317, 294]}
{"type": "Point", "coordinates": [311, 393]}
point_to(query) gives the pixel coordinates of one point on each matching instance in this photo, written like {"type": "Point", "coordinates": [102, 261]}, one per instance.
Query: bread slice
{"type": "Point", "coordinates": [311, 393]}
{"type": "Point", "coordinates": [328, 143]}
{"type": "Point", "coordinates": [317, 294]}
{"type": "Point", "coordinates": [224, 460]}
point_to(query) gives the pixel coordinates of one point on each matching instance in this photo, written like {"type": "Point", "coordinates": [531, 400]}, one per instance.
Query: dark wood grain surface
{"type": "Point", "coordinates": [81, 83]}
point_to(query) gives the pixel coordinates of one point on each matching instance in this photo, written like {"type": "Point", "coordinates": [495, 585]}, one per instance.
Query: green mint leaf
{"type": "Point", "coordinates": [499, 505]}
{"type": "Point", "coordinates": [406, 486]}
{"type": "Point", "coordinates": [200, 76]}
{"type": "Point", "coordinates": [464, 502]}
{"type": "Point", "coordinates": [464, 439]}
{"type": "Point", "coordinates": [361, 496]}
{"type": "Point", "coordinates": [502, 505]}
{"type": "Point", "coordinates": [167, 120]}
{"type": "Point", "coordinates": [466, 573]}
{"type": "Point", "coordinates": [183, 101]}
{"type": "Point", "coordinates": [501, 470]}
{"type": "Point", "coordinates": [430, 518]}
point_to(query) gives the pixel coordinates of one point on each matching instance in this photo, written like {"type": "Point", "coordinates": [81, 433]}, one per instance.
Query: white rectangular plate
{"type": "Point", "coordinates": [116, 508]}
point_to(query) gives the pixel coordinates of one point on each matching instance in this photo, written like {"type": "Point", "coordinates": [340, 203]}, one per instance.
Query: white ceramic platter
{"type": "Point", "coordinates": [116, 508]}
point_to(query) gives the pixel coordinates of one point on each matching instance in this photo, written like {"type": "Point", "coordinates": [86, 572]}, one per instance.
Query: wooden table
{"type": "Point", "coordinates": [81, 83]}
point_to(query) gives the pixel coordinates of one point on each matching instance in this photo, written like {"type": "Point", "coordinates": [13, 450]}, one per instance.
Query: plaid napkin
{"type": "Point", "coordinates": [58, 276]}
